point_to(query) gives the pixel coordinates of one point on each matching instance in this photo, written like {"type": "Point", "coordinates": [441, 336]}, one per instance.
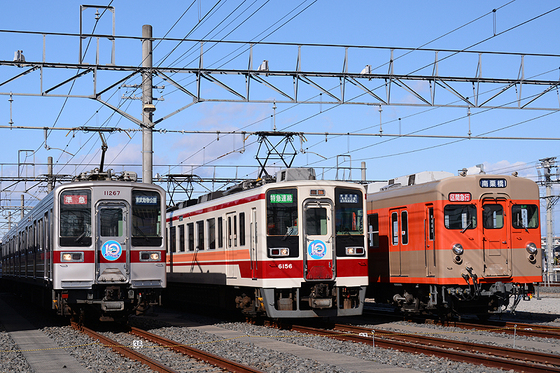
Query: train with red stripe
{"type": "Point", "coordinates": [95, 246]}
{"type": "Point", "coordinates": [285, 247]}
{"type": "Point", "coordinates": [454, 244]}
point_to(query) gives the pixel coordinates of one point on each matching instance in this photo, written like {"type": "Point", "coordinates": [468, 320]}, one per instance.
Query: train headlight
{"type": "Point", "coordinates": [72, 257]}
{"type": "Point", "coordinates": [279, 251]}
{"type": "Point", "coordinates": [457, 249]}
{"type": "Point", "coordinates": [150, 256]}
{"type": "Point", "coordinates": [355, 250]}
{"type": "Point", "coordinates": [531, 248]}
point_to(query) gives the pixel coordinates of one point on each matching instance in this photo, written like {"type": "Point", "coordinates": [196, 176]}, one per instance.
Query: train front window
{"type": "Point", "coordinates": [493, 217]}
{"type": "Point", "coordinates": [525, 216]}
{"type": "Point", "coordinates": [316, 221]}
{"type": "Point", "coordinates": [146, 218]}
{"type": "Point", "coordinates": [111, 222]}
{"type": "Point", "coordinates": [460, 216]}
{"type": "Point", "coordinates": [282, 212]}
{"type": "Point", "coordinates": [349, 212]}
{"type": "Point", "coordinates": [75, 218]}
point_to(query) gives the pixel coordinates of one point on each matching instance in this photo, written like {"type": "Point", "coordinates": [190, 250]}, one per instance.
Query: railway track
{"type": "Point", "coordinates": [131, 353]}
{"type": "Point", "coordinates": [507, 327]}
{"type": "Point", "coordinates": [511, 328]}
{"type": "Point", "coordinates": [480, 354]}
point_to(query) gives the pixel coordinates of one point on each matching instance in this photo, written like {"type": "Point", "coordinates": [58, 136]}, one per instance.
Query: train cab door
{"type": "Point", "coordinates": [318, 236]}
{"type": "Point", "coordinates": [231, 244]}
{"type": "Point", "coordinates": [399, 239]}
{"type": "Point", "coordinates": [495, 238]}
{"type": "Point", "coordinates": [253, 243]}
{"type": "Point", "coordinates": [430, 241]}
{"type": "Point", "coordinates": [113, 254]}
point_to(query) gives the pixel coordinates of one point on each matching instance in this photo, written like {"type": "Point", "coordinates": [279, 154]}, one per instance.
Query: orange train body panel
{"type": "Point", "coordinates": [470, 235]}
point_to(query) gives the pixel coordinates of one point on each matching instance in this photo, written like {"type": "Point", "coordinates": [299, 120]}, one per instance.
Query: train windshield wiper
{"type": "Point", "coordinates": [79, 238]}
{"type": "Point", "coordinates": [290, 231]}
{"type": "Point", "coordinates": [467, 227]}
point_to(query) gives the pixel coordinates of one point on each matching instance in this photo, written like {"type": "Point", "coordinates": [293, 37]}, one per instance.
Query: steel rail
{"type": "Point", "coordinates": [511, 327]}
{"type": "Point", "coordinates": [460, 356]}
{"type": "Point", "coordinates": [123, 350]}
{"type": "Point", "coordinates": [498, 351]}
{"type": "Point", "coordinates": [230, 365]}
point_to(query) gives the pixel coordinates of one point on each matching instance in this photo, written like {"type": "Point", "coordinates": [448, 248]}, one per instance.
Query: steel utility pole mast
{"type": "Point", "coordinates": [547, 164]}
{"type": "Point", "coordinates": [148, 107]}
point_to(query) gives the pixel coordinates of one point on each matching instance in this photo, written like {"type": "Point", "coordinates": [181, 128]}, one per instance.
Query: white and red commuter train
{"type": "Point", "coordinates": [285, 248]}
{"type": "Point", "coordinates": [93, 245]}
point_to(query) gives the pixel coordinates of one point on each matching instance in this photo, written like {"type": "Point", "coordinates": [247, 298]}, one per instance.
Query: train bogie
{"type": "Point", "coordinates": [460, 244]}
{"type": "Point", "coordinates": [285, 249]}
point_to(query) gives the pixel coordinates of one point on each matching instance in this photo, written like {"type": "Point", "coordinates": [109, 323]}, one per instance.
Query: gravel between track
{"type": "Point", "coordinates": [100, 359]}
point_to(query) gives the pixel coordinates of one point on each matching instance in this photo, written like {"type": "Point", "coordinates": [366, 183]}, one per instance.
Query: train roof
{"type": "Point", "coordinates": [512, 186]}
{"type": "Point", "coordinates": [291, 177]}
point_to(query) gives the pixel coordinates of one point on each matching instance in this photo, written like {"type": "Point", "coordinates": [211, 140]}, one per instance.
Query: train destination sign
{"type": "Point", "coordinates": [281, 198]}
{"type": "Point", "coordinates": [348, 198]}
{"type": "Point", "coordinates": [459, 197]}
{"type": "Point", "coordinates": [75, 199]}
{"type": "Point", "coordinates": [493, 183]}
{"type": "Point", "coordinates": [146, 200]}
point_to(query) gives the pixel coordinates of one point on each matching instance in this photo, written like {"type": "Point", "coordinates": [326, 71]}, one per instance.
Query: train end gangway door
{"type": "Point", "coordinates": [496, 238]}
{"type": "Point", "coordinates": [113, 251]}
{"type": "Point", "coordinates": [318, 238]}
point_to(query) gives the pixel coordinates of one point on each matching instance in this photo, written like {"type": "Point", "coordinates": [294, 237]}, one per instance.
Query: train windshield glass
{"type": "Point", "coordinates": [146, 218]}
{"type": "Point", "coordinates": [349, 212]}
{"type": "Point", "coordinates": [282, 212]}
{"type": "Point", "coordinates": [75, 218]}
{"type": "Point", "coordinates": [525, 216]}
{"type": "Point", "coordinates": [493, 217]}
{"type": "Point", "coordinates": [460, 216]}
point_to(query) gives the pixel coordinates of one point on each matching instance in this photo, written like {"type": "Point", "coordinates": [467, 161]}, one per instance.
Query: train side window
{"type": "Point", "coordinates": [395, 228]}
{"type": "Point", "coordinates": [173, 239]}
{"type": "Point", "coordinates": [525, 216]}
{"type": "Point", "coordinates": [182, 238]}
{"type": "Point", "coordinates": [373, 230]}
{"type": "Point", "coordinates": [200, 235]}
{"type": "Point", "coordinates": [431, 224]}
{"type": "Point", "coordinates": [235, 230]}
{"type": "Point", "coordinates": [493, 217]}
{"type": "Point", "coordinates": [220, 232]}
{"type": "Point", "coordinates": [190, 237]}
{"type": "Point", "coordinates": [404, 225]}
{"type": "Point", "coordinates": [460, 216]}
{"type": "Point", "coordinates": [242, 229]}
{"type": "Point", "coordinates": [211, 226]}
{"type": "Point", "coordinates": [229, 234]}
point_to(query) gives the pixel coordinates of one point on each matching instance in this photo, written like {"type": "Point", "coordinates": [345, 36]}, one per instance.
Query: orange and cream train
{"type": "Point", "coordinates": [287, 247]}
{"type": "Point", "coordinates": [461, 244]}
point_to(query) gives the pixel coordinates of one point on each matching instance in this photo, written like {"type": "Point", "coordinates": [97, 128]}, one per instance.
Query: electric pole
{"type": "Point", "coordinates": [148, 107]}
{"type": "Point", "coordinates": [547, 164]}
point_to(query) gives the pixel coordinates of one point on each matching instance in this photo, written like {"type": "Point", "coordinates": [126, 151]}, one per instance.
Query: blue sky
{"type": "Point", "coordinates": [519, 26]}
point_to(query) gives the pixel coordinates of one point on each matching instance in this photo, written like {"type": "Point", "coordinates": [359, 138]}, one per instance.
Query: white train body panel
{"type": "Point", "coordinates": [275, 239]}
